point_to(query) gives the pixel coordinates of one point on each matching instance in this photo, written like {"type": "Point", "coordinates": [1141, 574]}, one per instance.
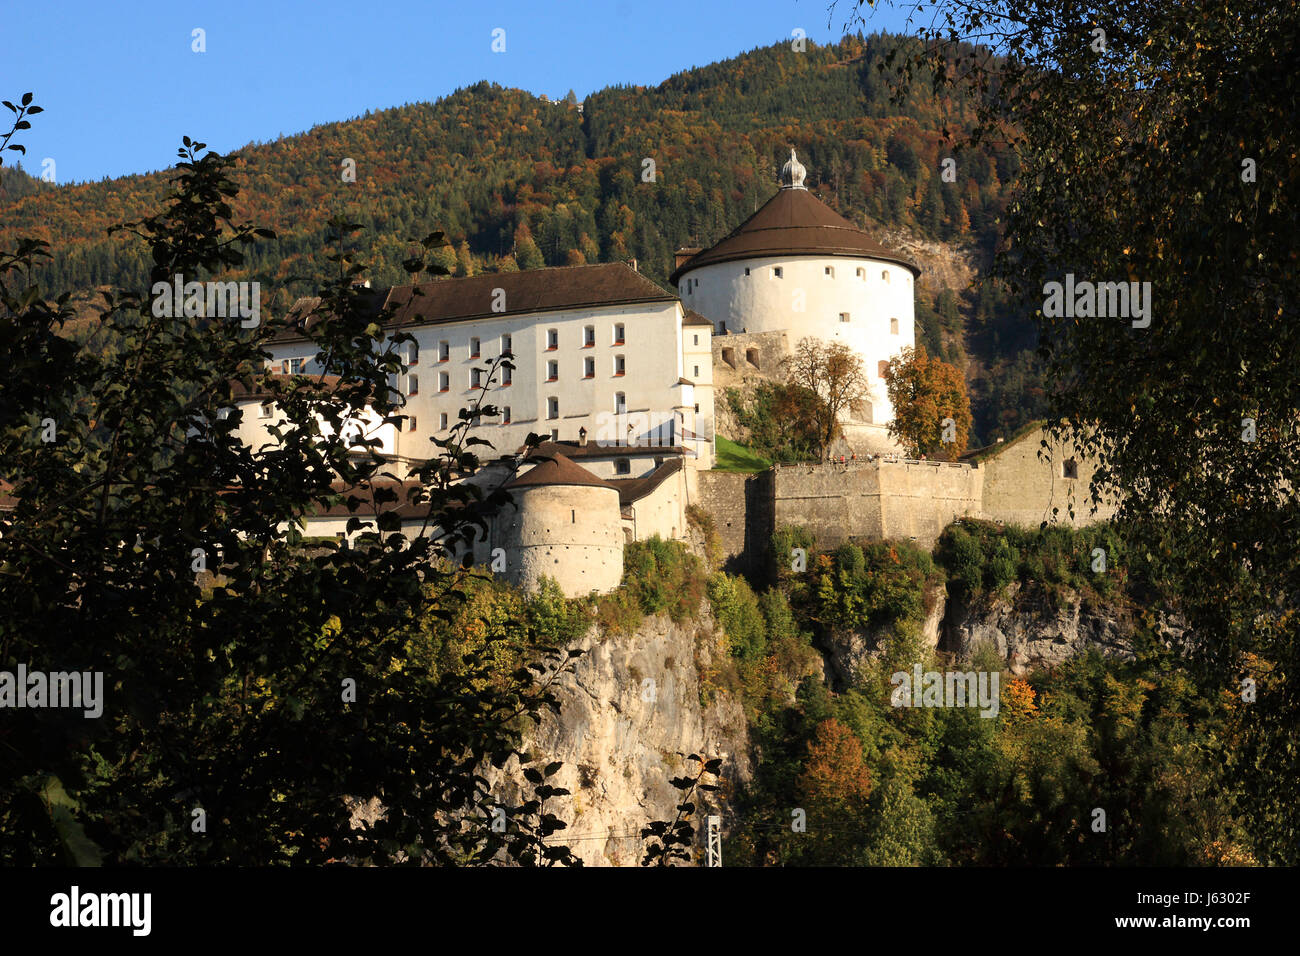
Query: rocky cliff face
{"type": "Point", "coordinates": [634, 702]}
{"type": "Point", "coordinates": [1028, 629]}
{"type": "Point", "coordinates": [630, 706]}
{"type": "Point", "coordinates": [1022, 624]}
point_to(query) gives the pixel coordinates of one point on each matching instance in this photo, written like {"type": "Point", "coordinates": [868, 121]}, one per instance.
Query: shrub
{"type": "Point", "coordinates": [736, 609]}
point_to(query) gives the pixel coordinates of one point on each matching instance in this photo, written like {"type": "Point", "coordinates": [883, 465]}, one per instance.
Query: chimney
{"type": "Point", "coordinates": [633, 264]}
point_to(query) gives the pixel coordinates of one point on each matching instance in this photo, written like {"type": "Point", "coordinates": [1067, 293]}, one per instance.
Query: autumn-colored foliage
{"type": "Point", "coordinates": [835, 778]}
{"type": "Point", "coordinates": [931, 409]}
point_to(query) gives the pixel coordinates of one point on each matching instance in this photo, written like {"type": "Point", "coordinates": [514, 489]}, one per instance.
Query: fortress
{"type": "Point", "coordinates": [620, 374]}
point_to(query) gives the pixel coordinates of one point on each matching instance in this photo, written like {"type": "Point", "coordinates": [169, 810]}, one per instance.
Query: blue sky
{"type": "Point", "coordinates": [120, 83]}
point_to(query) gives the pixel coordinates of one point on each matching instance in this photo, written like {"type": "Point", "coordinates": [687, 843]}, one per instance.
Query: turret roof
{"type": "Point", "coordinates": [557, 469]}
{"type": "Point", "coordinates": [794, 222]}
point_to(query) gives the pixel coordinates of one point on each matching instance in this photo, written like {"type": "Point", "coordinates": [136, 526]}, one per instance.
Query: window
{"type": "Point", "coordinates": [862, 274]}
{"type": "Point", "coordinates": [476, 378]}
{"type": "Point", "coordinates": [893, 326]}
{"type": "Point", "coordinates": [412, 353]}
{"type": "Point", "coordinates": [444, 382]}
{"type": "Point", "coordinates": [552, 339]}
{"type": "Point", "coordinates": [1069, 468]}
{"type": "Point", "coordinates": [284, 366]}
{"type": "Point", "coordinates": [880, 368]}
{"type": "Point", "coordinates": [589, 368]}
{"type": "Point", "coordinates": [844, 316]}
{"type": "Point", "coordinates": [622, 466]}
{"type": "Point", "coordinates": [475, 348]}
{"type": "Point", "coordinates": [265, 410]}
{"type": "Point", "coordinates": [589, 337]}
{"type": "Point", "coordinates": [442, 421]}
{"type": "Point", "coordinates": [410, 423]}
{"type": "Point", "coordinates": [618, 334]}
{"type": "Point", "coordinates": [697, 340]}
{"type": "Point", "coordinates": [884, 274]}
{"type": "Point", "coordinates": [829, 272]}
{"type": "Point", "coordinates": [412, 385]}
{"type": "Point", "coordinates": [507, 375]}
{"type": "Point", "coordinates": [620, 366]}
{"type": "Point", "coordinates": [746, 270]}
{"type": "Point", "coordinates": [751, 356]}
{"type": "Point", "coordinates": [697, 408]}
{"type": "Point", "coordinates": [778, 273]}
{"type": "Point", "coordinates": [444, 351]}
{"type": "Point", "coordinates": [697, 371]}
{"type": "Point", "coordinates": [552, 371]}
{"type": "Point", "coordinates": [555, 434]}
{"type": "Point", "coordinates": [552, 408]}
{"type": "Point", "coordinates": [506, 344]}
{"type": "Point", "coordinates": [295, 366]}
{"type": "Point", "coordinates": [505, 415]}
{"type": "Point", "coordinates": [620, 403]}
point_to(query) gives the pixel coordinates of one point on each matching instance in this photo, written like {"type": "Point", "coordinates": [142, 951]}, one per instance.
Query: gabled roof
{"type": "Point", "coordinates": [556, 470]}
{"type": "Point", "coordinates": [694, 318]}
{"type": "Point", "coordinates": [573, 451]}
{"type": "Point", "coordinates": [322, 383]}
{"type": "Point", "coordinates": [794, 222]}
{"type": "Point", "coordinates": [634, 489]}
{"type": "Point", "coordinates": [477, 297]}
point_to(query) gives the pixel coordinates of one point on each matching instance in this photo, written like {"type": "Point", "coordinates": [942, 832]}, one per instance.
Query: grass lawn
{"type": "Point", "coordinates": [733, 457]}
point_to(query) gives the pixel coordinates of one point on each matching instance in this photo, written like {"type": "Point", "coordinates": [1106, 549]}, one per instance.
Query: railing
{"type": "Point", "coordinates": [879, 460]}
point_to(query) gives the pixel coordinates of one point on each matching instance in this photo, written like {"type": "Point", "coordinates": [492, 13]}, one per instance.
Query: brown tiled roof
{"type": "Point", "coordinates": [694, 318]}
{"type": "Point", "coordinates": [534, 290]}
{"type": "Point", "coordinates": [556, 470]}
{"type": "Point", "coordinates": [573, 450]}
{"type": "Point", "coordinates": [794, 222]}
{"type": "Point", "coordinates": [325, 383]}
{"type": "Point", "coordinates": [405, 510]}
{"type": "Point", "coordinates": [634, 489]}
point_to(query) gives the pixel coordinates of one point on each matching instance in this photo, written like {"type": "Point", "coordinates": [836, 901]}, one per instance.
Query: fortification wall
{"type": "Point", "coordinates": [741, 506]}
{"type": "Point", "coordinates": [1019, 488]}
{"type": "Point", "coordinates": [663, 511]}
{"type": "Point", "coordinates": [740, 356]}
{"type": "Point", "coordinates": [875, 500]}
{"type": "Point", "coordinates": [920, 499]}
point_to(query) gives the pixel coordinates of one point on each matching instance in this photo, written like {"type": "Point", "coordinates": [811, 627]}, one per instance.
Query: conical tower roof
{"type": "Point", "coordinates": [557, 469]}
{"type": "Point", "coordinates": [794, 222]}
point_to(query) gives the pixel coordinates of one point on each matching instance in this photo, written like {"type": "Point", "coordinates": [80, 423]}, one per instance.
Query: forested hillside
{"type": "Point", "coordinates": [519, 182]}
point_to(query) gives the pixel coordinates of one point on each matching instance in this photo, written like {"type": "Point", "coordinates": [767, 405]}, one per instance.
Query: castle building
{"type": "Point", "coordinates": [797, 269]}
{"type": "Point", "coordinates": [599, 351]}
{"type": "Point", "coordinates": [619, 374]}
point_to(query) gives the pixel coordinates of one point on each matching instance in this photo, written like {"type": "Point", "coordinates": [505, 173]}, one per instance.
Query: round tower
{"type": "Point", "coordinates": [797, 266]}
{"type": "Point", "coordinates": [566, 524]}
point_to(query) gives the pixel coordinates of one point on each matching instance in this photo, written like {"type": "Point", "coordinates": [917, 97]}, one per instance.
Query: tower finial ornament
{"type": "Point", "coordinates": [793, 173]}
